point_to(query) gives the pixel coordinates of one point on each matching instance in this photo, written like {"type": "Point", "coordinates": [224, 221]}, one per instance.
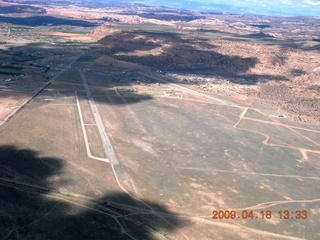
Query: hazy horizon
{"type": "Point", "coordinates": [252, 7]}
{"type": "Point", "coordinates": [258, 7]}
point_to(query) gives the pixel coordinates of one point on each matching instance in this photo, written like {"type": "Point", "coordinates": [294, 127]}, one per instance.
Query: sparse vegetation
{"type": "Point", "coordinates": [203, 112]}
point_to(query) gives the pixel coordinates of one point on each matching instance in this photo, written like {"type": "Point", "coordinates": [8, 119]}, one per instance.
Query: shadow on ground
{"type": "Point", "coordinates": [176, 54]}
{"type": "Point", "coordinates": [28, 212]}
{"type": "Point", "coordinates": [166, 51]}
{"type": "Point", "coordinates": [44, 21]}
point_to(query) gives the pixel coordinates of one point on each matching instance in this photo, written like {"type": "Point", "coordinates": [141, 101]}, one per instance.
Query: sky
{"type": "Point", "coordinates": [260, 7]}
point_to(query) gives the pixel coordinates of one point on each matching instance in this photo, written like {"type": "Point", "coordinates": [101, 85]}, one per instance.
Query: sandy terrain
{"type": "Point", "coordinates": [69, 36]}
{"type": "Point", "coordinates": [158, 131]}
{"type": "Point", "coordinates": [9, 101]}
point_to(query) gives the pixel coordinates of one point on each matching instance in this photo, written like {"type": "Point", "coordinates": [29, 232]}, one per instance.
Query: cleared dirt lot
{"type": "Point", "coordinates": [95, 141]}
{"type": "Point", "coordinates": [9, 100]}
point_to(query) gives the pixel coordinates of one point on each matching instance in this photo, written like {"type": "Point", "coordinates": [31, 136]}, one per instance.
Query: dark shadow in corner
{"type": "Point", "coordinates": [26, 211]}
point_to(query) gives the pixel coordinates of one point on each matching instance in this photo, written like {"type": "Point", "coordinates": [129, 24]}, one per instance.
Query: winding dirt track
{"type": "Point", "coordinates": [91, 204]}
{"type": "Point", "coordinates": [273, 121]}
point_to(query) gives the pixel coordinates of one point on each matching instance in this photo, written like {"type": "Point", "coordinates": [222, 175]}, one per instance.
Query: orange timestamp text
{"type": "Point", "coordinates": [264, 214]}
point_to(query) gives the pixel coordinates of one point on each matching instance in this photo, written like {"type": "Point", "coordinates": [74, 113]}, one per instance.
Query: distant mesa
{"type": "Point", "coordinates": [166, 17]}
{"type": "Point", "coordinates": [258, 35]}
{"type": "Point", "coordinates": [262, 26]}
{"type": "Point", "coordinates": [45, 20]}
{"type": "Point", "coordinates": [21, 9]}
